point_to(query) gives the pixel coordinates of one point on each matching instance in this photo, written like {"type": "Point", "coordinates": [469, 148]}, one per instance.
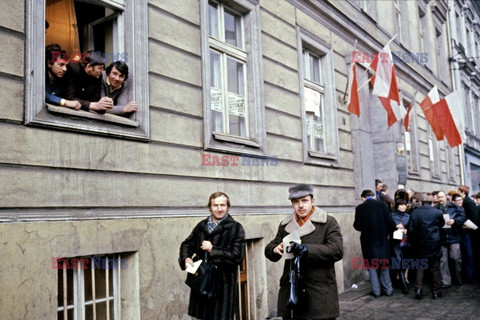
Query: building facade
{"type": "Point", "coordinates": [241, 96]}
{"type": "Point", "coordinates": [465, 62]}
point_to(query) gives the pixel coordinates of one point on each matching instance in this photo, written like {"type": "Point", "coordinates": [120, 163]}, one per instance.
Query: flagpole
{"type": "Point", "coordinates": [369, 69]}
{"type": "Point", "coordinates": [346, 86]}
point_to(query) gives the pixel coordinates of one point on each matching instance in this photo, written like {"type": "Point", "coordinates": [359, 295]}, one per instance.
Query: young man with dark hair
{"type": "Point", "coordinates": [56, 67]}
{"type": "Point", "coordinates": [84, 84]}
{"type": "Point", "coordinates": [321, 246]}
{"type": "Point", "coordinates": [115, 86]}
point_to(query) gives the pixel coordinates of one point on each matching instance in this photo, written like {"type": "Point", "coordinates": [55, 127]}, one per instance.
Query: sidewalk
{"type": "Point", "coordinates": [458, 302]}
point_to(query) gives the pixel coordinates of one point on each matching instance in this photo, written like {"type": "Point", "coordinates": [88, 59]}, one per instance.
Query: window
{"type": "Point", "coordinates": [423, 32]}
{"type": "Point", "coordinates": [91, 287]}
{"type": "Point", "coordinates": [318, 103]}
{"type": "Point", "coordinates": [402, 21]}
{"type": "Point", "coordinates": [411, 144]}
{"type": "Point", "coordinates": [441, 55]}
{"type": "Point", "coordinates": [434, 154]}
{"type": "Point", "coordinates": [450, 163]}
{"type": "Point", "coordinates": [115, 28]}
{"type": "Point", "coordinates": [232, 83]}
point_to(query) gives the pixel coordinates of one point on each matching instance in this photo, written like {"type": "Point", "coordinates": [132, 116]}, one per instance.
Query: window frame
{"type": "Point", "coordinates": [255, 140]}
{"type": "Point", "coordinates": [79, 294]}
{"type": "Point", "coordinates": [135, 42]}
{"type": "Point", "coordinates": [434, 155]}
{"type": "Point", "coordinates": [308, 41]}
{"type": "Point", "coordinates": [412, 145]}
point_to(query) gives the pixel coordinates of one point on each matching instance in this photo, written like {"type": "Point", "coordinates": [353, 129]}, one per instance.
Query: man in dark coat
{"type": "Point", "coordinates": [451, 236]}
{"type": "Point", "coordinates": [424, 235]}
{"type": "Point", "coordinates": [321, 245]}
{"type": "Point", "coordinates": [472, 237]}
{"type": "Point", "coordinates": [374, 221]}
{"type": "Point", "coordinates": [222, 240]}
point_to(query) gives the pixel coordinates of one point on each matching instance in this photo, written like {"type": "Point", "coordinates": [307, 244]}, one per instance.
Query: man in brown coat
{"type": "Point", "coordinates": [321, 246]}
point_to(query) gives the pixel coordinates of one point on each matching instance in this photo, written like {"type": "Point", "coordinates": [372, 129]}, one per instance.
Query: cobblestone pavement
{"type": "Point", "coordinates": [458, 302]}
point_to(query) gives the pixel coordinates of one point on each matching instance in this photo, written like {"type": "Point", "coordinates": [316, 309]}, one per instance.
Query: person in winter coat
{"type": "Point", "coordinates": [374, 221]}
{"type": "Point", "coordinates": [424, 236]}
{"type": "Point", "coordinates": [472, 238]}
{"type": "Point", "coordinates": [222, 240]}
{"type": "Point", "coordinates": [401, 218]}
{"type": "Point", "coordinates": [451, 236]}
{"type": "Point", "coordinates": [321, 246]}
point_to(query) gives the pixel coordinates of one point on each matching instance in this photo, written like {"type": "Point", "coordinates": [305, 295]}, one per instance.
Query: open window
{"type": "Point", "coordinates": [115, 30]}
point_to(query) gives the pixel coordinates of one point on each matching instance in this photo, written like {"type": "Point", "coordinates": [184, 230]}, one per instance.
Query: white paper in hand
{"type": "Point", "coordinates": [193, 269]}
{"type": "Point", "coordinates": [398, 234]}
{"type": "Point", "coordinates": [295, 237]}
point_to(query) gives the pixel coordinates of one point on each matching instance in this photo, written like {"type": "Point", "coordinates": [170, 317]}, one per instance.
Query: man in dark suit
{"type": "Point", "coordinates": [374, 221]}
{"type": "Point", "coordinates": [424, 235]}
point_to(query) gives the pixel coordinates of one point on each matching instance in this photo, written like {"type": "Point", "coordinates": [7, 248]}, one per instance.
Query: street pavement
{"type": "Point", "coordinates": [458, 302]}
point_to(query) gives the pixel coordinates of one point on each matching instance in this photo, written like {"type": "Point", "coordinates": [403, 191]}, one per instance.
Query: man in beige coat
{"type": "Point", "coordinates": [321, 246]}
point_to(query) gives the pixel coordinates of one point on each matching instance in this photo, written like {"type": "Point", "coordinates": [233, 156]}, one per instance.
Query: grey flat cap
{"type": "Point", "coordinates": [300, 191]}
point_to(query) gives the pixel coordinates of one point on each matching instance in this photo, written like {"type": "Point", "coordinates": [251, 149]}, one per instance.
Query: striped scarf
{"type": "Point", "coordinates": [212, 224]}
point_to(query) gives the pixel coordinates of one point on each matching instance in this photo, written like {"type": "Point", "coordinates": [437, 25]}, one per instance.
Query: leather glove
{"type": "Point", "coordinates": [298, 250]}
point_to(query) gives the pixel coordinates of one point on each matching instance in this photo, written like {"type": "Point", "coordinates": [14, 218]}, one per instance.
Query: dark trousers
{"type": "Point", "coordinates": [434, 267]}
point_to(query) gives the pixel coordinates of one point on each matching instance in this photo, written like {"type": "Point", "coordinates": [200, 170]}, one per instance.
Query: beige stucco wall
{"type": "Point", "coordinates": [29, 284]}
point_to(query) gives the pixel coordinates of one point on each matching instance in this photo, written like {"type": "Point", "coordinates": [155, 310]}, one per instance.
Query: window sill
{"type": "Point", "coordinates": [316, 154]}
{"type": "Point", "coordinates": [93, 115]}
{"type": "Point", "coordinates": [235, 139]}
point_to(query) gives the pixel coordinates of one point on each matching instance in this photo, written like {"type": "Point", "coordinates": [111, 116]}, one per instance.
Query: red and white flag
{"type": "Point", "coordinates": [385, 79]}
{"type": "Point", "coordinates": [395, 111]}
{"type": "Point", "coordinates": [427, 106]}
{"type": "Point", "coordinates": [406, 120]}
{"type": "Point", "coordinates": [443, 111]}
{"type": "Point", "coordinates": [353, 101]}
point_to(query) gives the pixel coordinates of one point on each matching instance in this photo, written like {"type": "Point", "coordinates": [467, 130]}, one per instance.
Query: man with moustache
{"type": "Point", "coordinates": [321, 246]}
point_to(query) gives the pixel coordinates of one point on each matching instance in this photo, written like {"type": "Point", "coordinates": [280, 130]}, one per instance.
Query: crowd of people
{"type": "Point", "coordinates": [434, 231]}
{"type": "Point", "coordinates": [85, 84]}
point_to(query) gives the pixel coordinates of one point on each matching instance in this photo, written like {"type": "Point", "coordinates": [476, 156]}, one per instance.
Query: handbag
{"type": "Point", "coordinates": [204, 280]}
{"type": "Point", "coordinates": [297, 293]}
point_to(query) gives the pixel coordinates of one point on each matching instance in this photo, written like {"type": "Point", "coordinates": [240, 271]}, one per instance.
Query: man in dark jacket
{"type": "Point", "coordinates": [220, 239]}
{"type": "Point", "coordinates": [424, 235]}
{"type": "Point", "coordinates": [374, 221]}
{"type": "Point", "coordinates": [451, 236]}
{"type": "Point", "coordinates": [472, 237]}
{"type": "Point", "coordinates": [321, 246]}
{"type": "Point", "coordinates": [84, 84]}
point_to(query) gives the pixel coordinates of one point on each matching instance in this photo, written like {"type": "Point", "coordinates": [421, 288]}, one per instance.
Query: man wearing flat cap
{"type": "Point", "coordinates": [321, 246]}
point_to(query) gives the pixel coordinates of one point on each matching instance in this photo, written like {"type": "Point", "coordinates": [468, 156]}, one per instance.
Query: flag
{"type": "Point", "coordinates": [353, 99]}
{"type": "Point", "coordinates": [427, 106]}
{"type": "Point", "coordinates": [385, 79]}
{"type": "Point", "coordinates": [406, 120]}
{"type": "Point", "coordinates": [445, 119]}
{"type": "Point", "coordinates": [395, 111]}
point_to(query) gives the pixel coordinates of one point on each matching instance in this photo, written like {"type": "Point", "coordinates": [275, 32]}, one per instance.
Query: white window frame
{"type": "Point", "coordinates": [434, 155]}
{"type": "Point", "coordinates": [412, 145]}
{"type": "Point", "coordinates": [134, 42]}
{"type": "Point", "coordinates": [79, 279]}
{"type": "Point", "coordinates": [306, 40]}
{"type": "Point", "coordinates": [255, 140]}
